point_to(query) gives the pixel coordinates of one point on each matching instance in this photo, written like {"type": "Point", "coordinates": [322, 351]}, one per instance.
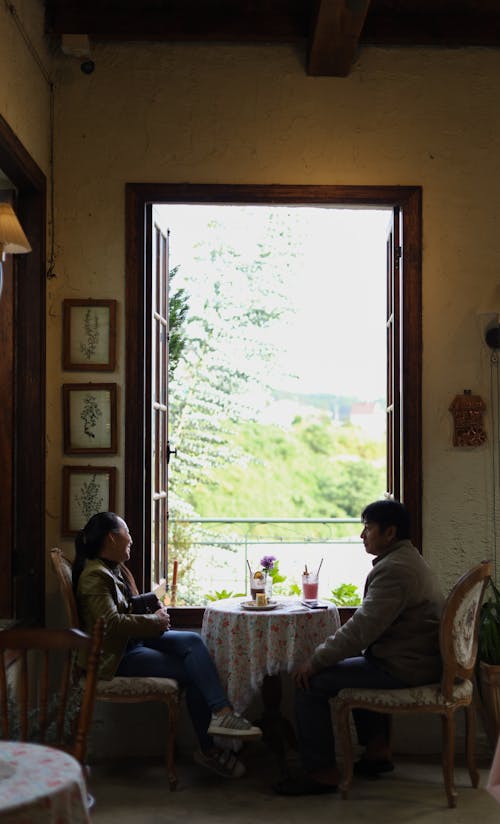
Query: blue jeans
{"type": "Point", "coordinates": [312, 709]}
{"type": "Point", "coordinates": [183, 656]}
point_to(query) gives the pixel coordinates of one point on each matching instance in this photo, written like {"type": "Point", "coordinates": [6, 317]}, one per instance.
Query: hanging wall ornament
{"type": "Point", "coordinates": [467, 411]}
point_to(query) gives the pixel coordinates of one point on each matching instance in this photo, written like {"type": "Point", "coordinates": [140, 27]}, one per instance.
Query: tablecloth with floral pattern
{"type": "Point", "coordinates": [248, 645]}
{"type": "Point", "coordinates": [40, 785]}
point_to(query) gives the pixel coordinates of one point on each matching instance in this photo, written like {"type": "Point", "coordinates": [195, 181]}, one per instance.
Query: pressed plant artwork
{"type": "Point", "coordinates": [89, 335]}
{"type": "Point", "coordinates": [90, 418]}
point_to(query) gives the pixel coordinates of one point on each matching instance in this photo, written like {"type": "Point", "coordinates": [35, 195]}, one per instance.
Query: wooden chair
{"type": "Point", "coordinates": [31, 708]}
{"type": "Point", "coordinates": [125, 690]}
{"type": "Point", "coordinates": [458, 643]}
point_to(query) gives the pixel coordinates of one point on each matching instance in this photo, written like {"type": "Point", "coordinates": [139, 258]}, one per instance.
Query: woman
{"type": "Point", "coordinates": [144, 645]}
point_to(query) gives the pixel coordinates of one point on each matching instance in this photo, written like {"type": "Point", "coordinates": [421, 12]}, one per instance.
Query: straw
{"type": "Point", "coordinates": [320, 563]}
{"type": "Point", "coordinates": [249, 569]}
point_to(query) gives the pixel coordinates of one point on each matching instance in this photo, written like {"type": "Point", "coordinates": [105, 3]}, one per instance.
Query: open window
{"type": "Point", "coordinates": [147, 312]}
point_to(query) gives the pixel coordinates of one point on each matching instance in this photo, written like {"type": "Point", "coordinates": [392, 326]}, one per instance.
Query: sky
{"type": "Point", "coordinates": [330, 265]}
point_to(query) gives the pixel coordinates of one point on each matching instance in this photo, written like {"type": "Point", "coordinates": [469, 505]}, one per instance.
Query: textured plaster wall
{"type": "Point", "coordinates": [250, 114]}
{"type": "Point", "coordinates": [24, 91]}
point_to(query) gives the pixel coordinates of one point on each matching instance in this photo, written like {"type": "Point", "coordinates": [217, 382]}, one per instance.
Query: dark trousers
{"type": "Point", "coordinates": [313, 714]}
{"type": "Point", "coordinates": [183, 656]}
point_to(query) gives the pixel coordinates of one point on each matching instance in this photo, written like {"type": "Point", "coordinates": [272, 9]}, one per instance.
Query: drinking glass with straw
{"type": "Point", "coordinates": [310, 583]}
{"type": "Point", "coordinates": [257, 582]}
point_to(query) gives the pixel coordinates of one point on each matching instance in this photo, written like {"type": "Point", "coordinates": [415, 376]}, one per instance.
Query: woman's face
{"type": "Point", "coordinates": [117, 544]}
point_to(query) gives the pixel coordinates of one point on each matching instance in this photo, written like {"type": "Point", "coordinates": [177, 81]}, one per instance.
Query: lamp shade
{"type": "Point", "coordinates": [13, 241]}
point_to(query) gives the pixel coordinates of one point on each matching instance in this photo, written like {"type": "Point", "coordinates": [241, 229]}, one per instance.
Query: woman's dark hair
{"type": "Point", "coordinates": [89, 541]}
{"type": "Point", "coordinates": [389, 513]}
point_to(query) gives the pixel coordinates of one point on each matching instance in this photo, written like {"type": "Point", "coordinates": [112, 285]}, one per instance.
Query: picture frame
{"type": "Point", "coordinates": [90, 418]}
{"type": "Point", "coordinates": [89, 335]}
{"type": "Point", "coordinates": [86, 491]}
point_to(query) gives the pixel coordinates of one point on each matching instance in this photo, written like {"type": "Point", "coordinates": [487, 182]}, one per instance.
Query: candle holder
{"type": "Point", "coordinates": [173, 595]}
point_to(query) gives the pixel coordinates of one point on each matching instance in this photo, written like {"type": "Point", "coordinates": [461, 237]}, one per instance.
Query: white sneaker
{"type": "Point", "coordinates": [233, 724]}
{"type": "Point", "coordinates": [223, 762]}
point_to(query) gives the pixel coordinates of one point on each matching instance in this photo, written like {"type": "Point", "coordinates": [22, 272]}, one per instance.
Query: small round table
{"type": "Point", "coordinates": [247, 646]}
{"type": "Point", "coordinates": [39, 783]}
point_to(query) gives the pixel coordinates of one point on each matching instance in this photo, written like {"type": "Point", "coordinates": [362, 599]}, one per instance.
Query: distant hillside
{"type": "Point", "coordinates": [314, 470]}
{"type": "Point", "coordinates": [338, 406]}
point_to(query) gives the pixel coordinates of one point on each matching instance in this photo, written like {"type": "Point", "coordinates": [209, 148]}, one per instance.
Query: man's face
{"type": "Point", "coordinates": [377, 539]}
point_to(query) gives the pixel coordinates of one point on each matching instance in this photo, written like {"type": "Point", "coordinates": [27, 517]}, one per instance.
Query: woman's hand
{"type": "Point", "coordinates": [163, 619]}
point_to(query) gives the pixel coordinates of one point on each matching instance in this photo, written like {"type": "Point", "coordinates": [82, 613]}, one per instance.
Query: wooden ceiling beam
{"type": "Point", "coordinates": [180, 20]}
{"type": "Point", "coordinates": [335, 36]}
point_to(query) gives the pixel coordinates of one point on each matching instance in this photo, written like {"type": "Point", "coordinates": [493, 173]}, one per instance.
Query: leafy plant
{"type": "Point", "coordinates": [275, 575]}
{"type": "Point", "coordinates": [346, 595]}
{"type": "Point", "coordinates": [223, 593]}
{"type": "Point", "coordinates": [178, 309]}
{"type": "Point", "coordinates": [489, 627]}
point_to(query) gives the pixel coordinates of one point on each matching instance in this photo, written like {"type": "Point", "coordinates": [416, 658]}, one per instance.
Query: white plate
{"type": "Point", "coordinates": [251, 605]}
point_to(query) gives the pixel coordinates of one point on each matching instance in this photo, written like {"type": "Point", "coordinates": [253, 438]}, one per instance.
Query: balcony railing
{"type": "Point", "coordinates": [215, 553]}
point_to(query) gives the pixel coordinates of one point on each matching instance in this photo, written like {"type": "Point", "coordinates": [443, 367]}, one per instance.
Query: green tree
{"type": "Point", "coordinates": [226, 351]}
{"type": "Point", "coordinates": [178, 308]}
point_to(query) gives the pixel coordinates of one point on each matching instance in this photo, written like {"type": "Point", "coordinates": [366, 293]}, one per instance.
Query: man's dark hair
{"type": "Point", "coordinates": [389, 513]}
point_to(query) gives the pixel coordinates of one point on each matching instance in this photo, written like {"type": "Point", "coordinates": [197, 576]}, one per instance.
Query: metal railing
{"type": "Point", "coordinates": [216, 553]}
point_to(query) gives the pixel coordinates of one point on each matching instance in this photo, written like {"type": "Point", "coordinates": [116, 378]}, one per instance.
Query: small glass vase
{"type": "Point", "coordinates": [268, 587]}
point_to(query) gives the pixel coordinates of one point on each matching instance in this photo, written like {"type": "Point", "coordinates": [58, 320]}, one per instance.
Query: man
{"type": "Point", "coordinates": [392, 641]}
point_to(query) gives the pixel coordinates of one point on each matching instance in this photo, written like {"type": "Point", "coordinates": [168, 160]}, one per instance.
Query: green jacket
{"type": "Point", "coordinates": [102, 593]}
{"type": "Point", "coordinates": [398, 621]}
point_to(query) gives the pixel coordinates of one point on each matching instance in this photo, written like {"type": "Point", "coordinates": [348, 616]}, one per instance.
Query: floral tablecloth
{"type": "Point", "coordinates": [40, 785]}
{"type": "Point", "coordinates": [246, 646]}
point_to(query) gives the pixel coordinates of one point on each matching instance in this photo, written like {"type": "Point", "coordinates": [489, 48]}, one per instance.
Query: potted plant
{"type": "Point", "coordinates": [489, 661]}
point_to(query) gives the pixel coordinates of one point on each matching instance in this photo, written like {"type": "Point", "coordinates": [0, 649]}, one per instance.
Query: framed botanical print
{"type": "Point", "coordinates": [86, 490]}
{"type": "Point", "coordinates": [89, 335]}
{"type": "Point", "coordinates": [89, 418]}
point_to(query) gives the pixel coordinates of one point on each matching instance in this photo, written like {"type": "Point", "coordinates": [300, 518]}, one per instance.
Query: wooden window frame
{"type": "Point", "coordinates": [138, 196]}
{"type": "Point", "coordinates": [22, 486]}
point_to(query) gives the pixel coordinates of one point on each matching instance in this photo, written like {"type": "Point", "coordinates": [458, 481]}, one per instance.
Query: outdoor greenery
{"type": "Point", "coordinates": [315, 469]}
{"type": "Point", "coordinates": [225, 353]}
{"type": "Point", "coordinates": [346, 595]}
{"type": "Point", "coordinates": [489, 627]}
{"type": "Point", "coordinates": [231, 462]}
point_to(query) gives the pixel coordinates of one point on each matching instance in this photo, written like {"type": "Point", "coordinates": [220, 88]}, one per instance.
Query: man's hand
{"type": "Point", "coordinates": [164, 619]}
{"type": "Point", "coordinates": [302, 675]}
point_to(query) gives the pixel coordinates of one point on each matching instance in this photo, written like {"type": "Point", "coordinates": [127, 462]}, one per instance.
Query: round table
{"type": "Point", "coordinates": [249, 645]}
{"type": "Point", "coordinates": [40, 784]}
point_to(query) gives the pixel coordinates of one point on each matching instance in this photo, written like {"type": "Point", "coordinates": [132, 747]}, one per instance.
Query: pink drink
{"type": "Point", "coordinates": [309, 586]}
{"type": "Point", "coordinates": [310, 591]}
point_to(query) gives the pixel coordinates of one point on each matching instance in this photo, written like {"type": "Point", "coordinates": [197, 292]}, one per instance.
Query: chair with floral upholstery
{"type": "Point", "coordinates": [121, 689]}
{"type": "Point", "coordinates": [458, 642]}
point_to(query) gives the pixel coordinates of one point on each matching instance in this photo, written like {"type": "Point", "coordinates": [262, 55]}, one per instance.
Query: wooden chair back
{"type": "Point", "coordinates": [64, 571]}
{"type": "Point", "coordinates": [460, 626]}
{"type": "Point", "coordinates": [45, 703]}
{"type": "Point", "coordinates": [64, 568]}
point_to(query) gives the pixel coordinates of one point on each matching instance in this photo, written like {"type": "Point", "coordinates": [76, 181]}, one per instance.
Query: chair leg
{"type": "Point", "coordinates": [470, 744]}
{"type": "Point", "coordinates": [342, 716]}
{"type": "Point", "coordinates": [448, 729]}
{"type": "Point", "coordinates": [173, 712]}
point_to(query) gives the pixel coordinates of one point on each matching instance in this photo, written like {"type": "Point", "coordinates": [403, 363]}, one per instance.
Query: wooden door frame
{"type": "Point", "coordinates": [27, 554]}
{"type": "Point", "coordinates": [139, 195]}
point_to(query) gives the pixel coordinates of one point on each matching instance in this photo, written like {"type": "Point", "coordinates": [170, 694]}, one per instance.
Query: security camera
{"type": "Point", "coordinates": [87, 66]}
